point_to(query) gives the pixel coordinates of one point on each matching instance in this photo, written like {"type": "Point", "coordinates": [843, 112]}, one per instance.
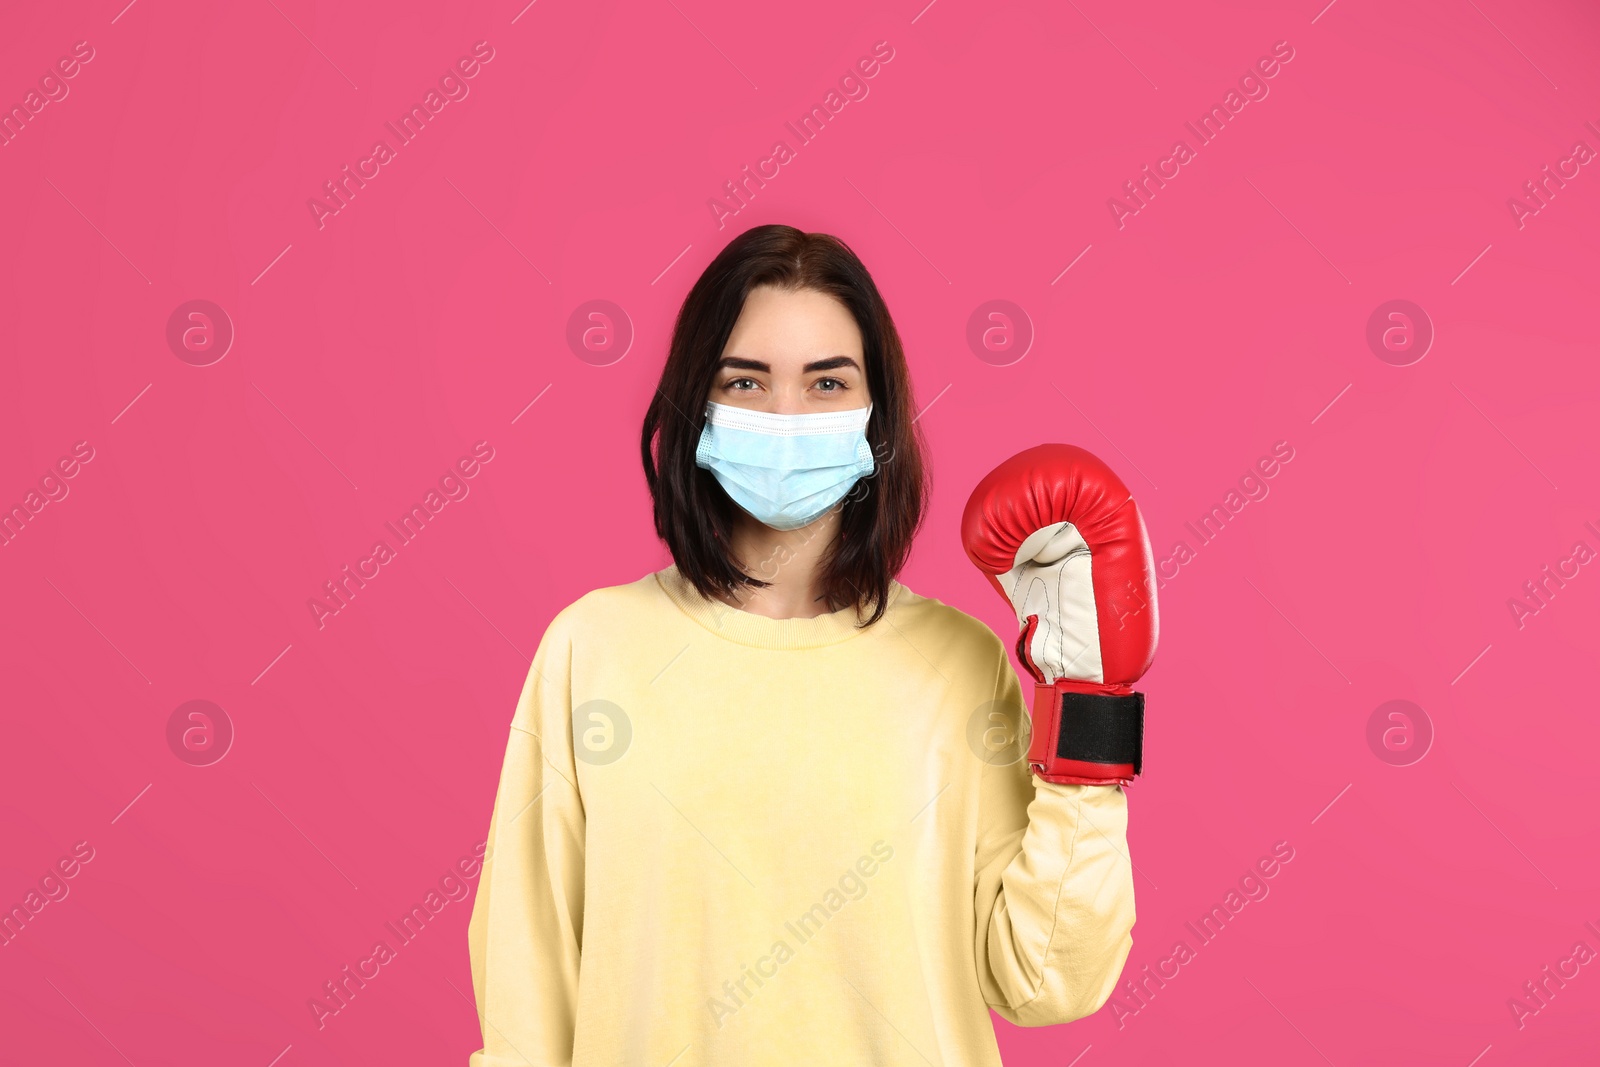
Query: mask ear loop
{"type": "Point", "coordinates": [705, 420]}
{"type": "Point", "coordinates": [850, 497]}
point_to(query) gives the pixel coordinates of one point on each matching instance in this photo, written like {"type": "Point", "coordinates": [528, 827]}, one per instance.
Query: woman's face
{"type": "Point", "coordinates": [792, 352]}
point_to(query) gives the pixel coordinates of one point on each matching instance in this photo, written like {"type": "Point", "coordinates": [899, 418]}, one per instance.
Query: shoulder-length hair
{"type": "Point", "coordinates": [694, 516]}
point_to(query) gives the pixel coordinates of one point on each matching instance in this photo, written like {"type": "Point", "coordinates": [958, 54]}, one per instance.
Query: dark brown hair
{"type": "Point", "coordinates": [693, 514]}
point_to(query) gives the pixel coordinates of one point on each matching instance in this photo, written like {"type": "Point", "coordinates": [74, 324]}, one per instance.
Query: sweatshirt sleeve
{"type": "Point", "coordinates": [524, 937]}
{"type": "Point", "coordinates": [1054, 881]}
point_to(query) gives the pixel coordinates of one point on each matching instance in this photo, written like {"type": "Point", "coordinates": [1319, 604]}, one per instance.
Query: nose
{"type": "Point", "coordinates": [785, 399]}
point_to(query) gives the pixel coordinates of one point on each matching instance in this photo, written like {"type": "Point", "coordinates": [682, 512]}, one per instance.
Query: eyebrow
{"type": "Point", "coordinates": [831, 363]}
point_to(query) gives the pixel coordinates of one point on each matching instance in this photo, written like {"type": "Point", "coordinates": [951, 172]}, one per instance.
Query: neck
{"type": "Point", "coordinates": [789, 561]}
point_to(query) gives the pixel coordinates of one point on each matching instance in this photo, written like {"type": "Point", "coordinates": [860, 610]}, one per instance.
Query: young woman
{"type": "Point", "coordinates": [752, 810]}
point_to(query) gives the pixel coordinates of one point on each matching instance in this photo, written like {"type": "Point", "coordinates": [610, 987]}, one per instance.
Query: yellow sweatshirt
{"type": "Point", "coordinates": [724, 839]}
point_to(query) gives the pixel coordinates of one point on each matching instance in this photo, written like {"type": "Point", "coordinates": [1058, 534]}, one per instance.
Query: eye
{"type": "Point", "coordinates": [838, 384]}
{"type": "Point", "coordinates": [732, 385]}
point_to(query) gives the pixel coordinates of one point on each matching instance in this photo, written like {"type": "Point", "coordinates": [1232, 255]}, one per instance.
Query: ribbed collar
{"type": "Point", "coordinates": [759, 631]}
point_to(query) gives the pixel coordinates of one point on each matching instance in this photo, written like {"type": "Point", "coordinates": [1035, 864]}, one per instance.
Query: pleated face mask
{"type": "Point", "coordinates": [785, 470]}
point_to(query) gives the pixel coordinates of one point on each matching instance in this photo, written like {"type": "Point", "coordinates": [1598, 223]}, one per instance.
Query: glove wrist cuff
{"type": "Point", "coordinates": [1087, 733]}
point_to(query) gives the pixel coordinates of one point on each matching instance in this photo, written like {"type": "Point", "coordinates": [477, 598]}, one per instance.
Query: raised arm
{"type": "Point", "coordinates": [1054, 887]}
{"type": "Point", "coordinates": [1057, 534]}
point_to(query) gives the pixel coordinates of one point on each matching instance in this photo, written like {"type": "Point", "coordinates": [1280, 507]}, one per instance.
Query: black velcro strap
{"type": "Point", "coordinates": [1097, 728]}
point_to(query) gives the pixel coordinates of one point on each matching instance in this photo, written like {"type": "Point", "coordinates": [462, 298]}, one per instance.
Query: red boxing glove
{"type": "Point", "coordinates": [1058, 534]}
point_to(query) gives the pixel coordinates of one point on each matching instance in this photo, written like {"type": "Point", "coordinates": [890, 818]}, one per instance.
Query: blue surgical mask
{"type": "Point", "coordinates": [785, 470]}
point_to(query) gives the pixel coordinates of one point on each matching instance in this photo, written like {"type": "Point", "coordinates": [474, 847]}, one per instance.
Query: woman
{"type": "Point", "coordinates": [750, 811]}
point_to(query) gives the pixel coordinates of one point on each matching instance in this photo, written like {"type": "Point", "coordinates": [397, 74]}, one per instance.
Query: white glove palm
{"type": "Point", "coordinates": [1052, 580]}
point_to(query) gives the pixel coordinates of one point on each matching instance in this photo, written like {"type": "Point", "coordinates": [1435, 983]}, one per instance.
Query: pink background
{"type": "Point", "coordinates": [1228, 314]}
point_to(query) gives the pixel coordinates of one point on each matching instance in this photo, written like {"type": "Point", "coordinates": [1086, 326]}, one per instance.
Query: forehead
{"type": "Point", "coordinates": [781, 326]}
